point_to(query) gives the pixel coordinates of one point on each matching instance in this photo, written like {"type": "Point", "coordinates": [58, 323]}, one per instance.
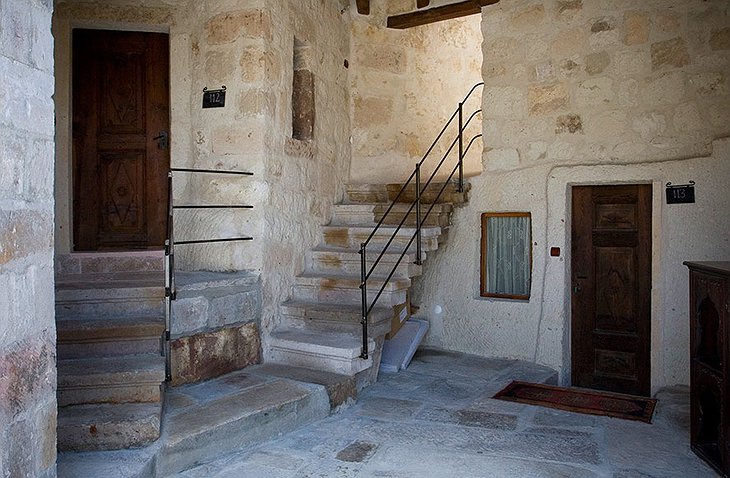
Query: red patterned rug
{"type": "Point", "coordinates": [580, 400]}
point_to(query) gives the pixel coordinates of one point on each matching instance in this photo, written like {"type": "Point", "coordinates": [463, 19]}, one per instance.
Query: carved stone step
{"type": "Point", "coordinates": [110, 294]}
{"type": "Point", "coordinates": [354, 236]}
{"type": "Point", "coordinates": [124, 379]}
{"type": "Point", "coordinates": [110, 262]}
{"type": "Point", "coordinates": [347, 214]}
{"type": "Point", "coordinates": [333, 352]}
{"type": "Point", "coordinates": [346, 289]}
{"type": "Point", "coordinates": [95, 337]}
{"type": "Point", "coordinates": [335, 260]}
{"type": "Point", "coordinates": [335, 317]}
{"type": "Point", "coordinates": [221, 416]}
{"type": "Point", "coordinates": [108, 426]}
{"type": "Point", "coordinates": [366, 193]}
{"type": "Point", "coordinates": [450, 194]}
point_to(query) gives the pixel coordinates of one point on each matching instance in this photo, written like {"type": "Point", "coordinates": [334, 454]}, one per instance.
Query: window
{"type": "Point", "coordinates": [506, 259]}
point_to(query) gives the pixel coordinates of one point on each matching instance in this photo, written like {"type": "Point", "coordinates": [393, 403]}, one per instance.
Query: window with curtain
{"type": "Point", "coordinates": [506, 259]}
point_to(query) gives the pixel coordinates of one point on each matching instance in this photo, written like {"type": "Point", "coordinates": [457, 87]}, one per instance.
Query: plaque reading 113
{"type": "Point", "coordinates": [681, 193]}
{"type": "Point", "coordinates": [214, 98]}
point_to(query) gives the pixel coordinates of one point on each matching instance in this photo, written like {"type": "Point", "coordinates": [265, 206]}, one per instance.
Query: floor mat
{"type": "Point", "coordinates": [580, 400]}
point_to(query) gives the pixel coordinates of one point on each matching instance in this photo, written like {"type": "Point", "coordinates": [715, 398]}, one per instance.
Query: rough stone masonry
{"type": "Point", "coordinates": [27, 328]}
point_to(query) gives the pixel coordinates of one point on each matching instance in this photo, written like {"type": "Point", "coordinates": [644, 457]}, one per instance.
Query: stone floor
{"type": "Point", "coordinates": [437, 420]}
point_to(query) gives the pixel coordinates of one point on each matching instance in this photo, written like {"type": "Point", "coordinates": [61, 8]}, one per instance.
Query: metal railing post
{"type": "Point", "coordinates": [418, 214]}
{"type": "Point", "coordinates": [169, 280]}
{"type": "Point", "coordinates": [364, 295]}
{"type": "Point", "coordinates": [461, 147]}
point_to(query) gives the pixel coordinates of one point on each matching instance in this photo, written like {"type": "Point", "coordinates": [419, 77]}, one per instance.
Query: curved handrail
{"type": "Point", "coordinates": [414, 235]}
{"type": "Point", "coordinates": [410, 209]}
{"type": "Point", "coordinates": [365, 272]}
{"type": "Point", "coordinates": [428, 152]}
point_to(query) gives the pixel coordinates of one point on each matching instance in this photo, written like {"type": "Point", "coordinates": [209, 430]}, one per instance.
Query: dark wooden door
{"type": "Point", "coordinates": [611, 288]}
{"type": "Point", "coordinates": [120, 139]}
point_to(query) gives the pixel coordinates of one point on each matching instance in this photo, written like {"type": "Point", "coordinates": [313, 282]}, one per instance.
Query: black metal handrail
{"type": "Point", "coordinates": [170, 243]}
{"type": "Point", "coordinates": [366, 273]}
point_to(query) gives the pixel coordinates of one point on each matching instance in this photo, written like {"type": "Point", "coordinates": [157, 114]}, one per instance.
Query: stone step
{"type": "Point", "coordinates": [108, 426]}
{"type": "Point", "coordinates": [340, 388]}
{"type": "Point", "coordinates": [345, 214]}
{"type": "Point", "coordinates": [123, 463]}
{"type": "Point", "coordinates": [450, 194]}
{"type": "Point", "coordinates": [124, 379]}
{"type": "Point", "coordinates": [335, 352]}
{"type": "Point", "coordinates": [335, 317]}
{"type": "Point", "coordinates": [386, 193]}
{"type": "Point", "coordinates": [337, 260]}
{"type": "Point", "coordinates": [189, 282]}
{"type": "Point", "coordinates": [346, 289]}
{"type": "Point", "coordinates": [110, 262]}
{"type": "Point", "coordinates": [212, 300]}
{"type": "Point", "coordinates": [215, 418]}
{"type": "Point", "coordinates": [94, 337]}
{"type": "Point", "coordinates": [366, 193]}
{"type": "Point", "coordinates": [354, 236]}
{"type": "Point", "coordinates": [110, 294]}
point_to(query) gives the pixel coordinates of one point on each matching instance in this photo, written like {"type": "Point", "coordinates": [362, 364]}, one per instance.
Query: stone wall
{"type": "Point", "coordinates": [404, 85]}
{"type": "Point", "coordinates": [215, 326]}
{"type": "Point", "coordinates": [27, 329]}
{"type": "Point", "coordinates": [304, 178]}
{"type": "Point", "coordinates": [591, 92]}
{"type": "Point", "coordinates": [248, 46]}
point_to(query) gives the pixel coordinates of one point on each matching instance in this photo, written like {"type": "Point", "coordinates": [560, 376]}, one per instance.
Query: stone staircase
{"type": "Point", "coordinates": [320, 323]}
{"type": "Point", "coordinates": [110, 323]}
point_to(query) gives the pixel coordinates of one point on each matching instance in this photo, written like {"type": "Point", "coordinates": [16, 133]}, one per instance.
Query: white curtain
{"type": "Point", "coordinates": [508, 255]}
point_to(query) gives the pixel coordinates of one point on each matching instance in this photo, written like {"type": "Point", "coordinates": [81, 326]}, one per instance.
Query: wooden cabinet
{"type": "Point", "coordinates": [710, 357]}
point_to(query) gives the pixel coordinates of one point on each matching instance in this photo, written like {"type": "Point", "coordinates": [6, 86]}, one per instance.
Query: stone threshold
{"type": "Point", "coordinates": [206, 420]}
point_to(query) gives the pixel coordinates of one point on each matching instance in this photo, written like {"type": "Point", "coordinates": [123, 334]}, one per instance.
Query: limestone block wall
{"type": "Point", "coordinates": [27, 328]}
{"type": "Point", "coordinates": [248, 46]}
{"type": "Point", "coordinates": [591, 92]}
{"type": "Point", "coordinates": [304, 178]}
{"type": "Point", "coordinates": [404, 85]}
{"type": "Point", "coordinates": [211, 44]}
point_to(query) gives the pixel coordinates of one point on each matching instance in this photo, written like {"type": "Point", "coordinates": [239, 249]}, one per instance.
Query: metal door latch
{"type": "Point", "coordinates": [162, 140]}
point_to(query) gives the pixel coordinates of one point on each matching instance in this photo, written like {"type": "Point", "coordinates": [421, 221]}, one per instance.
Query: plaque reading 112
{"type": "Point", "coordinates": [214, 98]}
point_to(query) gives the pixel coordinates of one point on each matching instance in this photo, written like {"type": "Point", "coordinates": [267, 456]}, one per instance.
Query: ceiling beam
{"type": "Point", "coordinates": [437, 14]}
{"type": "Point", "coordinates": [363, 7]}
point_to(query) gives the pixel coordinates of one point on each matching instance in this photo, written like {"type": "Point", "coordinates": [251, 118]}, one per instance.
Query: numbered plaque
{"type": "Point", "coordinates": [214, 98]}
{"type": "Point", "coordinates": [681, 193]}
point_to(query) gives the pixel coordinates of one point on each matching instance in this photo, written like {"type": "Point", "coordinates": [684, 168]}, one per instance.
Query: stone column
{"type": "Point", "coordinates": [27, 327]}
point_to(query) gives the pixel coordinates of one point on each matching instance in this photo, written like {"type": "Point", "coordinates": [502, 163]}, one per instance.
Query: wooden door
{"type": "Point", "coordinates": [120, 139]}
{"type": "Point", "coordinates": [611, 288]}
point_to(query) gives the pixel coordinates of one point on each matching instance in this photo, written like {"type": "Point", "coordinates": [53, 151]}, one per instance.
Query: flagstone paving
{"type": "Point", "coordinates": [437, 419]}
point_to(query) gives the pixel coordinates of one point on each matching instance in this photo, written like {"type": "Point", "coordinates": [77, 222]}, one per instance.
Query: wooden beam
{"type": "Point", "coordinates": [422, 3]}
{"type": "Point", "coordinates": [363, 7]}
{"type": "Point", "coordinates": [437, 14]}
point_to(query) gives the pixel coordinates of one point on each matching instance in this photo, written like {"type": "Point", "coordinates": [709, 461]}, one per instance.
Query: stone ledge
{"type": "Point", "coordinates": [207, 355]}
{"type": "Point", "coordinates": [208, 301]}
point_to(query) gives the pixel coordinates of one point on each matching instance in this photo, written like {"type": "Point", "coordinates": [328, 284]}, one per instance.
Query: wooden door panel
{"type": "Point", "coordinates": [122, 108]}
{"type": "Point", "coordinates": [611, 274]}
{"type": "Point", "coordinates": [615, 216]}
{"type": "Point", "coordinates": [616, 288]}
{"type": "Point", "coordinates": [123, 192]}
{"type": "Point", "coordinates": [121, 103]}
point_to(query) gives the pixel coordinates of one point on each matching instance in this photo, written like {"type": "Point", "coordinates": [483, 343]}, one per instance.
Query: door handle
{"type": "Point", "coordinates": [162, 140]}
{"type": "Point", "coordinates": [576, 288]}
